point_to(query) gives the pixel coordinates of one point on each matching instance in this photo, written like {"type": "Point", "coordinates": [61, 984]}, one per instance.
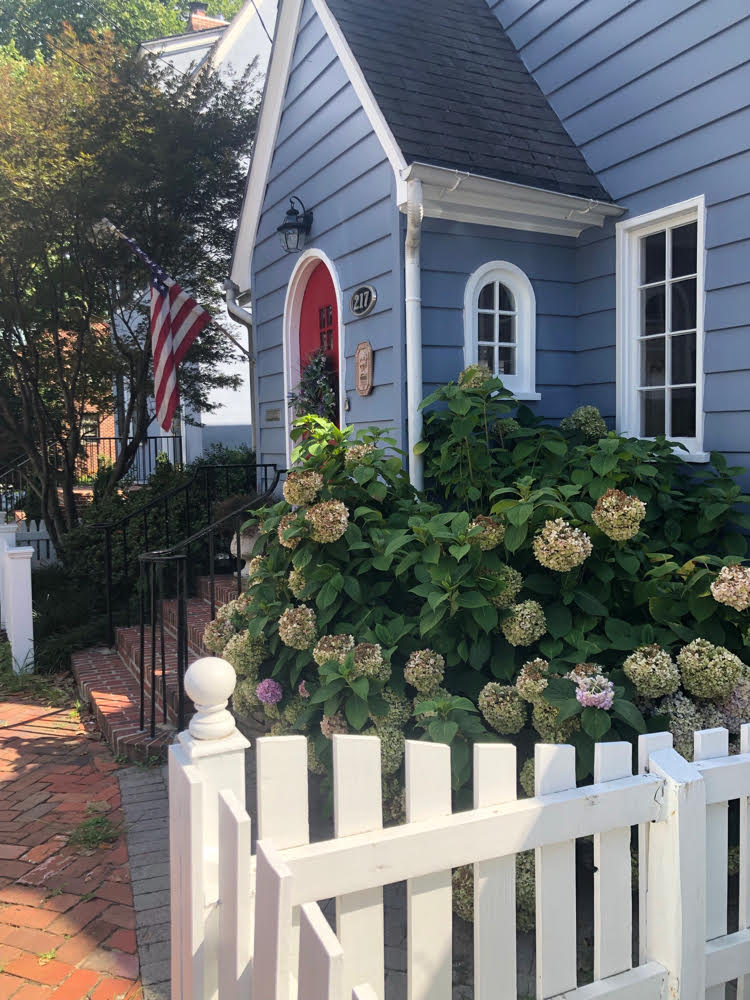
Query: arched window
{"type": "Point", "coordinates": [500, 325]}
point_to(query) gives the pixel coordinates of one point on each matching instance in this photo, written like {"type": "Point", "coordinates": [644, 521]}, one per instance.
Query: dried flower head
{"type": "Point", "coordinates": [296, 582]}
{"type": "Point", "coordinates": [587, 421]}
{"type": "Point", "coordinates": [217, 633]}
{"type": "Point", "coordinates": [328, 520]}
{"type": "Point", "coordinates": [491, 533]}
{"type": "Point", "coordinates": [511, 581]}
{"type": "Point", "coordinates": [314, 764]}
{"type": "Point", "coordinates": [581, 670]}
{"type": "Point", "coordinates": [560, 546]}
{"type": "Point", "coordinates": [245, 653]}
{"type": "Point", "coordinates": [463, 892]}
{"type": "Point", "coordinates": [269, 692]}
{"type": "Point", "coordinates": [394, 800]}
{"type": "Point", "coordinates": [732, 587]}
{"type": "Point", "coordinates": [425, 670]}
{"type": "Point", "coordinates": [527, 777]}
{"type": "Point", "coordinates": [533, 679]}
{"type": "Point", "coordinates": [392, 747]}
{"type": "Point", "coordinates": [332, 648]}
{"type": "Point", "coordinates": [399, 710]}
{"type": "Point", "coordinates": [332, 724]}
{"type": "Point", "coordinates": [618, 515]}
{"type": "Point", "coordinates": [506, 426]}
{"type": "Point", "coordinates": [298, 627]}
{"type": "Point", "coordinates": [545, 719]}
{"type": "Point", "coordinates": [525, 624]}
{"type": "Point", "coordinates": [709, 671]}
{"type": "Point", "coordinates": [652, 671]}
{"type": "Point", "coordinates": [502, 707]}
{"type": "Point", "coordinates": [735, 709]}
{"type": "Point", "coordinates": [684, 720]}
{"type": "Point", "coordinates": [474, 376]}
{"type": "Point", "coordinates": [302, 486]}
{"type": "Point", "coordinates": [290, 712]}
{"type": "Point", "coordinates": [244, 700]}
{"type": "Point", "coordinates": [253, 569]}
{"type": "Point", "coordinates": [288, 521]}
{"type": "Point", "coordinates": [595, 691]}
{"type": "Point", "coordinates": [369, 662]}
{"type": "Point", "coordinates": [358, 453]}
{"type": "Point", "coordinates": [525, 892]}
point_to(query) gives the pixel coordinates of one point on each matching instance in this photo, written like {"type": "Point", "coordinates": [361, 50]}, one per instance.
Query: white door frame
{"type": "Point", "coordinates": [295, 292]}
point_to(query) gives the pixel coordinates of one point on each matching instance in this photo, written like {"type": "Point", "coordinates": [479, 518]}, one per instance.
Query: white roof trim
{"type": "Point", "coordinates": [285, 37]}
{"type": "Point", "coordinates": [240, 20]}
{"type": "Point", "coordinates": [184, 42]}
{"type": "Point", "coordinates": [464, 197]}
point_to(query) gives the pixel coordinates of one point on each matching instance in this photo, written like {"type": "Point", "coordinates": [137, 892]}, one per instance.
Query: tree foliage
{"type": "Point", "coordinates": [94, 132]}
{"type": "Point", "coordinates": [33, 25]}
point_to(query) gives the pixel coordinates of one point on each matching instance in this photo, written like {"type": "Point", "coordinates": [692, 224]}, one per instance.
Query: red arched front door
{"type": "Point", "coordinates": [319, 322]}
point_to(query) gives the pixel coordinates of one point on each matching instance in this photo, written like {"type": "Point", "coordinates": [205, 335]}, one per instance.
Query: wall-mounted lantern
{"type": "Point", "coordinates": [295, 227]}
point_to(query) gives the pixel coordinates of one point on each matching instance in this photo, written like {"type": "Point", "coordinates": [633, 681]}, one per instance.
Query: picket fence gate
{"type": "Point", "coordinates": [248, 925]}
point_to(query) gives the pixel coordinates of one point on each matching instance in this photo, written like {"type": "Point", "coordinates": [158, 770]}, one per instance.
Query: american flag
{"type": "Point", "coordinates": [176, 320]}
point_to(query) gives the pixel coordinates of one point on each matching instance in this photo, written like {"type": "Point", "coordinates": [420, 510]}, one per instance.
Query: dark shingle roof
{"type": "Point", "coordinates": [455, 92]}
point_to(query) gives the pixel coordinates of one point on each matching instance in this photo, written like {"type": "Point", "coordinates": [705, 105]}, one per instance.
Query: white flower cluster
{"type": "Point", "coordinates": [525, 624]}
{"type": "Point", "coordinates": [502, 707]}
{"type": "Point", "coordinates": [732, 587]}
{"type": "Point", "coordinates": [652, 671]}
{"type": "Point", "coordinates": [328, 520]}
{"type": "Point", "coordinates": [302, 486]}
{"type": "Point", "coordinates": [425, 670]}
{"type": "Point", "coordinates": [560, 546]}
{"type": "Point", "coordinates": [298, 627]}
{"type": "Point", "coordinates": [618, 515]}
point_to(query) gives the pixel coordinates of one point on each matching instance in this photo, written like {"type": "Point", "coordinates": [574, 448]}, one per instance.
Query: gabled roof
{"type": "Point", "coordinates": [456, 94]}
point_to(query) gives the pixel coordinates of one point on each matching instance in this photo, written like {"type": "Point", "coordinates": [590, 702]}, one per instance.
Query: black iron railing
{"type": "Point", "coordinates": [96, 451]}
{"type": "Point", "coordinates": [13, 484]}
{"type": "Point", "coordinates": [173, 515]}
{"type": "Point", "coordinates": [170, 577]}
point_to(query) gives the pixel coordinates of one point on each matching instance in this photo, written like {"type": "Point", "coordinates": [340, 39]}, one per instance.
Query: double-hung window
{"type": "Point", "coordinates": [660, 325]}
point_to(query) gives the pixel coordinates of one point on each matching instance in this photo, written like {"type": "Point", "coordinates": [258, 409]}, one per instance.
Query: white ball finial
{"type": "Point", "coordinates": [209, 683]}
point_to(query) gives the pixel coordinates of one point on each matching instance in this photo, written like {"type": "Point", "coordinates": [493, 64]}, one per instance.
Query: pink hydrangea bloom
{"type": "Point", "coordinates": [303, 692]}
{"type": "Point", "coordinates": [269, 692]}
{"type": "Point", "coordinates": [595, 692]}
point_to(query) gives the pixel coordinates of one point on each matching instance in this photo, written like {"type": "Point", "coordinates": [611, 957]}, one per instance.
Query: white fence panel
{"type": "Point", "coordinates": [35, 534]}
{"type": "Point", "coordinates": [236, 900]}
{"type": "Point", "coordinates": [321, 958]}
{"type": "Point", "coordinates": [743, 982]}
{"type": "Point", "coordinates": [16, 608]}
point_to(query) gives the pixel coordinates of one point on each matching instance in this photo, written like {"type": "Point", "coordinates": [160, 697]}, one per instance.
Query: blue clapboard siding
{"type": "Point", "coordinates": [451, 252]}
{"type": "Point", "coordinates": [657, 96]}
{"type": "Point", "coordinates": [327, 154]}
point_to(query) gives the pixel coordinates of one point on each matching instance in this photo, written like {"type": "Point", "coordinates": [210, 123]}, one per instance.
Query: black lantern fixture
{"type": "Point", "coordinates": [295, 227]}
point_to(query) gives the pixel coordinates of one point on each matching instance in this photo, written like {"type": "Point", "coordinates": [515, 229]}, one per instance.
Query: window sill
{"type": "Point", "coordinates": [526, 396]}
{"type": "Point", "coordinates": [696, 457]}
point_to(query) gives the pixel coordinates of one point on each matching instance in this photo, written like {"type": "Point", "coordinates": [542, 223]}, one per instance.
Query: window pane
{"type": "Point", "coordinates": [507, 361]}
{"type": "Point", "coordinates": [683, 359]}
{"type": "Point", "coordinates": [653, 363]}
{"type": "Point", "coordinates": [506, 301]}
{"type": "Point", "coordinates": [654, 310]}
{"type": "Point", "coordinates": [507, 329]}
{"type": "Point", "coordinates": [683, 413]}
{"type": "Point", "coordinates": [684, 250]}
{"type": "Point", "coordinates": [683, 305]}
{"type": "Point", "coordinates": [487, 296]}
{"type": "Point", "coordinates": [486, 326]}
{"type": "Point", "coordinates": [486, 356]}
{"type": "Point", "coordinates": [652, 413]}
{"type": "Point", "coordinates": [653, 258]}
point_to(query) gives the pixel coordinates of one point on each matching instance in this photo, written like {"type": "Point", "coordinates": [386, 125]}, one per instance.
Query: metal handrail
{"type": "Point", "coordinates": [152, 594]}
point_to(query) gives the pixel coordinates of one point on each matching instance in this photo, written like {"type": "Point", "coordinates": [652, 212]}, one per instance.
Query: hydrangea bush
{"type": "Point", "coordinates": [565, 583]}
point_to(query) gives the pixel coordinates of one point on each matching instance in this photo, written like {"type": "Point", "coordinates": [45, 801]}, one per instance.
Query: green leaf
{"type": "Point", "coordinates": [701, 608]}
{"type": "Point", "coordinates": [568, 709]}
{"type": "Point", "coordinates": [472, 599]}
{"type": "Point", "coordinates": [397, 543]}
{"type": "Point", "coordinates": [301, 558]}
{"type": "Point", "coordinates": [361, 686]}
{"type": "Point", "coordinates": [463, 704]}
{"type": "Point", "coordinates": [621, 634]}
{"type": "Point", "coordinates": [357, 712]}
{"type": "Point", "coordinates": [627, 711]}
{"type": "Point", "coordinates": [459, 551]}
{"type": "Point", "coordinates": [377, 490]}
{"type": "Point", "coordinates": [520, 513]}
{"type": "Point", "coordinates": [596, 722]}
{"type": "Point", "coordinates": [383, 562]}
{"type": "Point", "coordinates": [559, 691]}
{"type": "Point", "coordinates": [353, 589]}
{"type": "Point", "coordinates": [431, 554]}
{"type": "Point", "coordinates": [332, 705]}
{"type": "Point", "coordinates": [559, 620]}
{"type": "Point", "coordinates": [555, 446]}
{"type": "Point", "coordinates": [363, 474]}
{"type": "Point", "coordinates": [628, 561]}
{"type": "Point", "coordinates": [515, 536]}
{"type": "Point", "coordinates": [326, 596]}
{"type": "Point", "coordinates": [603, 464]}
{"type": "Point", "coordinates": [588, 603]}
{"type": "Point", "coordinates": [460, 764]}
{"type": "Point", "coordinates": [485, 617]}
{"type": "Point", "coordinates": [421, 446]}
{"type": "Point", "coordinates": [460, 405]}
{"type": "Point", "coordinates": [479, 652]}
{"type": "Point", "coordinates": [378, 705]}
{"type": "Point", "coordinates": [442, 731]}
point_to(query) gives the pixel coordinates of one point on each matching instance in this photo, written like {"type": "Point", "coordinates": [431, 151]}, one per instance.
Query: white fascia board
{"type": "Point", "coordinates": [484, 201]}
{"type": "Point", "coordinates": [284, 41]}
{"type": "Point", "coordinates": [183, 43]}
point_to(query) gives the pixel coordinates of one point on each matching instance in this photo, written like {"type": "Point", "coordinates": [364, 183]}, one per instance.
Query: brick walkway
{"type": "Point", "coordinates": [67, 922]}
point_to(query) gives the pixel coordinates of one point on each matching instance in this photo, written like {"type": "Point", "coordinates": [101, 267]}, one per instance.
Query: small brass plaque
{"type": "Point", "coordinates": [363, 368]}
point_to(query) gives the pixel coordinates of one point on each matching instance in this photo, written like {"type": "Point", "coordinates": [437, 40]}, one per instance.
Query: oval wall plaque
{"type": "Point", "coordinates": [363, 300]}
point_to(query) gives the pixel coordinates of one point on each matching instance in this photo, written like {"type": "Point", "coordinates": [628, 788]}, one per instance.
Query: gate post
{"type": "Point", "coordinates": [208, 759]}
{"type": "Point", "coordinates": [676, 888]}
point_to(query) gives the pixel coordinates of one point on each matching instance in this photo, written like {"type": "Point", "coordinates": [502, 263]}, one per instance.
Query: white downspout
{"type": "Point", "coordinates": [413, 300]}
{"type": "Point", "coordinates": [245, 318]}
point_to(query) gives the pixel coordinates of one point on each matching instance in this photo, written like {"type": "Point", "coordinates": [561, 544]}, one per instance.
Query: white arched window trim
{"type": "Point", "coordinates": [523, 383]}
{"type": "Point", "coordinates": [295, 292]}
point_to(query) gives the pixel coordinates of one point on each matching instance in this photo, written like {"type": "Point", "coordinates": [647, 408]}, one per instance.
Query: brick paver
{"type": "Point", "coordinates": [66, 911]}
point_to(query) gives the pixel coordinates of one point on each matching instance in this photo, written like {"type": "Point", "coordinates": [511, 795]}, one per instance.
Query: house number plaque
{"type": "Point", "coordinates": [273, 415]}
{"type": "Point", "coordinates": [363, 300]}
{"type": "Point", "coordinates": [363, 368]}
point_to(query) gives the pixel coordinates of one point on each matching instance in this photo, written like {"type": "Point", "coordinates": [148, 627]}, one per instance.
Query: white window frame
{"type": "Point", "coordinates": [523, 383]}
{"type": "Point", "coordinates": [629, 233]}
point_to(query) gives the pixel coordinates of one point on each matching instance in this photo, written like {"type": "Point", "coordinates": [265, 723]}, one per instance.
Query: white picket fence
{"type": "Point", "coordinates": [250, 926]}
{"type": "Point", "coordinates": [35, 534]}
{"type": "Point", "coordinates": [16, 614]}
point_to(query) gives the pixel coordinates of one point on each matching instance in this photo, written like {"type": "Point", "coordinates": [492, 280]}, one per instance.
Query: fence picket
{"type": "Point", "coordinates": [709, 744]}
{"type": "Point", "coordinates": [358, 808]}
{"type": "Point", "coordinates": [494, 882]}
{"type": "Point", "coordinates": [429, 898]}
{"type": "Point", "coordinates": [647, 744]}
{"type": "Point", "coordinates": [555, 771]}
{"type": "Point", "coordinates": [321, 959]}
{"type": "Point", "coordinates": [236, 900]}
{"type": "Point", "coordinates": [276, 939]}
{"type": "Point", "coordinates": [281, 763]}
{"type": "Point", "coordinates": [743, 982]}
{"type": "Point", "coordinates": [613, 907]}
{"type": "Point", "coordinates": [186, 882]}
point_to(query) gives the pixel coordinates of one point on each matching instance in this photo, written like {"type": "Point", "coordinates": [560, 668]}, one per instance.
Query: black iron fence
{"type": "Point", "coordinates": [167, 579]}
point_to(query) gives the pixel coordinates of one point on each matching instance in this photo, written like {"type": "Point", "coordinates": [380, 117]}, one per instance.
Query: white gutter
{"type": "Point", "coordinates": [245, 318]}
{"type": "Point", "coordinates": [413, 300]}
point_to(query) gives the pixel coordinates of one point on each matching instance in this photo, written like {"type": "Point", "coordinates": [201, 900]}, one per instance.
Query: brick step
{"type": "Point", "coordinates": [129, 648]}
{"type": "Point", "coordinates": [198, 616]}
{"type": "Point", "coordinates": [111, 690]}
{"type": "Point", "coordinates": [225, 589]}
